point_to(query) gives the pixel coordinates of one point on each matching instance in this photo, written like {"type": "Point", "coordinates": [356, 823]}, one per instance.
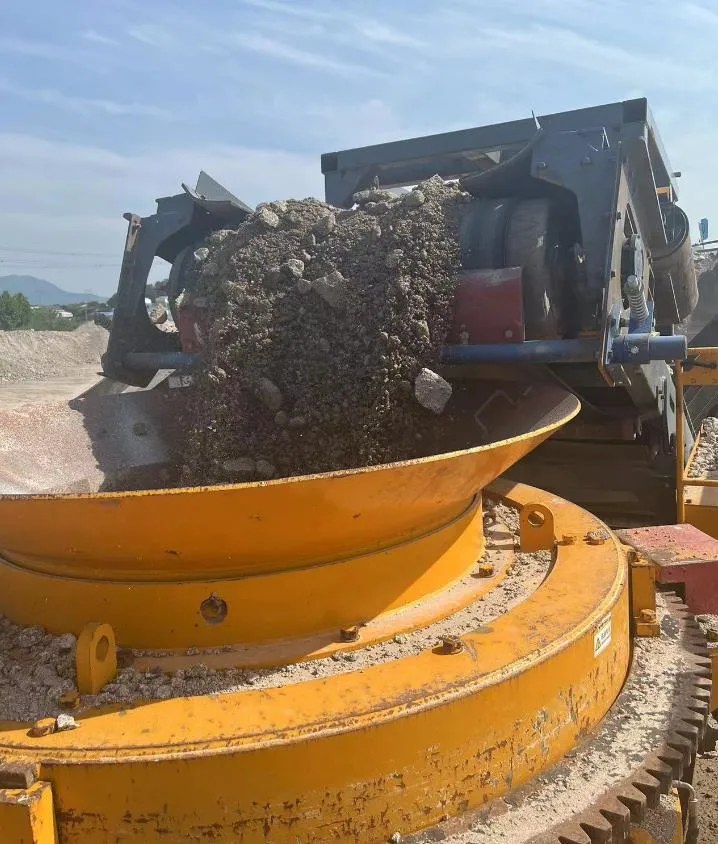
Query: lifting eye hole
{"type": "Point", "coordinates": [213, 609]}
{"type": "Point", "coordinates": [536, 519]}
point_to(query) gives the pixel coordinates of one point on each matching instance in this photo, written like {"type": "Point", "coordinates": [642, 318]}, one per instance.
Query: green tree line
{"type": "Point", "coordinates": [16, 313]}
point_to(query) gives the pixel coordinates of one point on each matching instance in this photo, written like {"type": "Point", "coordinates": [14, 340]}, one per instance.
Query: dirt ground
{"type": "Point", "coordinates": [705, 782]}
{"type": "Point", "coordinates": [43, 355]}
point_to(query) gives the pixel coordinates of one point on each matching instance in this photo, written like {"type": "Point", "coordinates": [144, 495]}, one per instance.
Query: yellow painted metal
{"type": "Point", "coordinates": [643, 595]}
{"type": "Point", "coordinates": [680, 443]}
{"type": "Point", "coordinates": [701, 508]}
{"type": "Point", "coordinates": [256, 562]}
{"type": "Point", "coordinates": [356, 756]}
{"type": "Point", "coordinates": [95, 658]}
{"type": "Point", "coordinates": [706, 373]}
{"type": "Point", "coordinates": [27, 815]}
{"type": "Point", "coordinates": [536, 528]}
{"type": "Point", "coordinates": [663, 825]}
{"type": "Point", "coordinates": [695, 502]}
{"type": "Point", "coordinates": [297, 602]}
{"type": "Point", "coordinates": [250, 529]}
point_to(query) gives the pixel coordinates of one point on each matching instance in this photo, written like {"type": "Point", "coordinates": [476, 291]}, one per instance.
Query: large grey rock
{"type": "Point", "coordinates": [269, 393]}
{"type": "Point", "coordinates": [267, 218]}
{"type": "Point", "coordinates": [332, 288]}
{"type": "Point", "coordinates": [432, 391]}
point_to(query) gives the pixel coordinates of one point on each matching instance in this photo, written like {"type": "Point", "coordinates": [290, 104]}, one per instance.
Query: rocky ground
{"type": "Point", "coordinates": [322, 329]}
{"type": "Point", "coordinates": [705, 460]}
{"type": "Point", "coordinates": [38, 355]}
{"type": "Point", "coordinates": [705, 779]}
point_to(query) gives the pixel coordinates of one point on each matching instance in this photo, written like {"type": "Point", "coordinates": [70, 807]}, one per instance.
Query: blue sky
{"type": "Point", "coordinates": [107, 105]}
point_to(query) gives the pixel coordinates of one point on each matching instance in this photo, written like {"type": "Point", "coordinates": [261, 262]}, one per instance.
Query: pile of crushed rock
{"type": "Point", "coordinates": [321, 331]}
{"type": "Point", "coordinates": [705, 460]}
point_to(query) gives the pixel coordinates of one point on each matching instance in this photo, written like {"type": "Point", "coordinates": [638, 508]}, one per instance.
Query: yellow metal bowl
{"type": "Point", "coordinates": [246, 529]}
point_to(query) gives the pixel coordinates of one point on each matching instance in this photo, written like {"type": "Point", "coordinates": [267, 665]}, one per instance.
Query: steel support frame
{"type": "Point", "coordinates": [179, 221]}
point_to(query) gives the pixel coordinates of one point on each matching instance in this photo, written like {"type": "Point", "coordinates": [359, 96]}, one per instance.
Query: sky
{"type": "Point", "coordinates": [105, 106]}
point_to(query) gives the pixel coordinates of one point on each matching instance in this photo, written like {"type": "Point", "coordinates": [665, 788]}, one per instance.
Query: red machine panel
{"type": "Point", "coordinates": [489, 307]}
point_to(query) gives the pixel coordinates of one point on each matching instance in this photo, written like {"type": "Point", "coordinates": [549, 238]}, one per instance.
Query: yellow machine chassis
{"type": "Point", "coordinates": [355, 756]}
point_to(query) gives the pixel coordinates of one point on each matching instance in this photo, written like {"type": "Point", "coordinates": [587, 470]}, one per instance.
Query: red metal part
{"type": "Point", "coordinates": [682, 554]}
{"type": "Point", "coordinates": [489, 307]}
{"type": "Point", "coordinates": [191, 325]}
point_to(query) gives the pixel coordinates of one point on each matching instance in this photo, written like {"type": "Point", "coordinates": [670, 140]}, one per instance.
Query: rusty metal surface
{"type": "Point", "coordinates": [684, 555]}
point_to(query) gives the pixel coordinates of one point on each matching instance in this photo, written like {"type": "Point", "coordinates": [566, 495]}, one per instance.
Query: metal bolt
{"type": "Point", "coordinates": [486, 569]}
{"type": "Point", "coordinates": [541, 165]}
{"type": "Point", "coordinates": [648, 616]}
{"type": "Point", "coordinates": [508, 334]}
{"type": "Point", "coordinates": [594, 537]}
{"type": "Point", "coordinates": [43, 727]}
{"type": "Point", "coordinates": [69, 700]}
{"type": "Point", "coordinates": [635, 350]}
{"type": "Point", "coordinates": [451, 645]}
{"type": "Point", "coordinates": [349, 634]}
{"type": "Point", "coordinates": [568, 539]}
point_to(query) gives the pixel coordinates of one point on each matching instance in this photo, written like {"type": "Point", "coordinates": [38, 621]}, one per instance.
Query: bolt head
{"type": "Point", "coordinates": [43, 727]}
{"type": "Point", "coordinates": [451, 645]}
{"type": "Point", "coordinates": [486, 569]}
{"type": "Point", "coordinates": [349, 634]}
{"type": "Point", "coordinates": [594, 537]}
{"type": "Point", "coordinates": [648, 616]}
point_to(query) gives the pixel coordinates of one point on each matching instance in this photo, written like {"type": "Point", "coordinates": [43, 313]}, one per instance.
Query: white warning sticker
{"type": "Point", "coordinates": [602, 636]}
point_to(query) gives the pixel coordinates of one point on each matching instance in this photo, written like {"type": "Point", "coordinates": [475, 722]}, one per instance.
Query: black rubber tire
{"type": "Point", "coordinates": [529, 245]}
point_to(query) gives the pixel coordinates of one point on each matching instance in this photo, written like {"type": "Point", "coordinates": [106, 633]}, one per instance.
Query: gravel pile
{"type": "Point", "coordinates": [705, 460]}
{"type": "Point", "coordinates": [37, 355]}
{"type": "Point", "coordinates": [322, 331]}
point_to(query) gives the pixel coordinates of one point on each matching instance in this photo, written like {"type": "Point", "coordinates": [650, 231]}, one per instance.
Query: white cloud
{"type": "Point", "coordinates": [257, 43]}
{"type": "Point", "coordinates": [151, 34]}
{"type": "Point", "coordinates": [34, 49]}
{"type": "Point", "coordinates": [295, 10]}
{"type": "Point", "coordinates": [563, 46]}
{"type": "Point", "coordinates": [383, 34]}
{"type": "Point", "coordinates": [71, 197]}
{"type": "Point", "coordinates": [81, 105]}
{"type": "Point", "coordinates": [99, 38]}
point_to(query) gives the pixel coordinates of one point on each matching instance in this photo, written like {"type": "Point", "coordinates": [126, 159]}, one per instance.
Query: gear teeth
{"type": "Point", "coordinates": [597, 827]}
{"type": "Point", "coordinates": [649, 785]}
{"type": "Point", "coordinates": [659, 769]}
{"type": "Point", "coordinates": [635, 801]}
{"type": "Point", "coordinates": [571, 834]}
{"type": "Point", "coordinates": [674, 760]}
{"type": "Point", "coordinates": [618, 815]}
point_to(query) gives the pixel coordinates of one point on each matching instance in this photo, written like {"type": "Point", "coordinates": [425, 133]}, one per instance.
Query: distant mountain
{"type": "Point", "coordinates": [41, 292]}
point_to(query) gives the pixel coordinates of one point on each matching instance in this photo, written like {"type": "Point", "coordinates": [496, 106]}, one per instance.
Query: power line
{"type": "Point", "coordinates": [56, 252]}
{"type": "Point", "coordinates": [55, 266]}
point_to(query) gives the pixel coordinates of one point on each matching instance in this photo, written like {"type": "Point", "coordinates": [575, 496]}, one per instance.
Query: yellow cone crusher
{"type": "Point", "coordinates": [418, 652]}
{"type": "Point", "coordinates": [412, 659]}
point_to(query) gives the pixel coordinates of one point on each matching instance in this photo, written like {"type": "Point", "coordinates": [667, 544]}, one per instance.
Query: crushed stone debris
{"type": "Point", "coordinates": [332, 317]}
{"type": "Point", "coordinates": [705, 459]}
{"type": "Point", "coordinates": [638, 722]}
{"type": "Point", "coordinates": [37, 355]}
{"type": "Point", "coordinates": [37, 669]}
